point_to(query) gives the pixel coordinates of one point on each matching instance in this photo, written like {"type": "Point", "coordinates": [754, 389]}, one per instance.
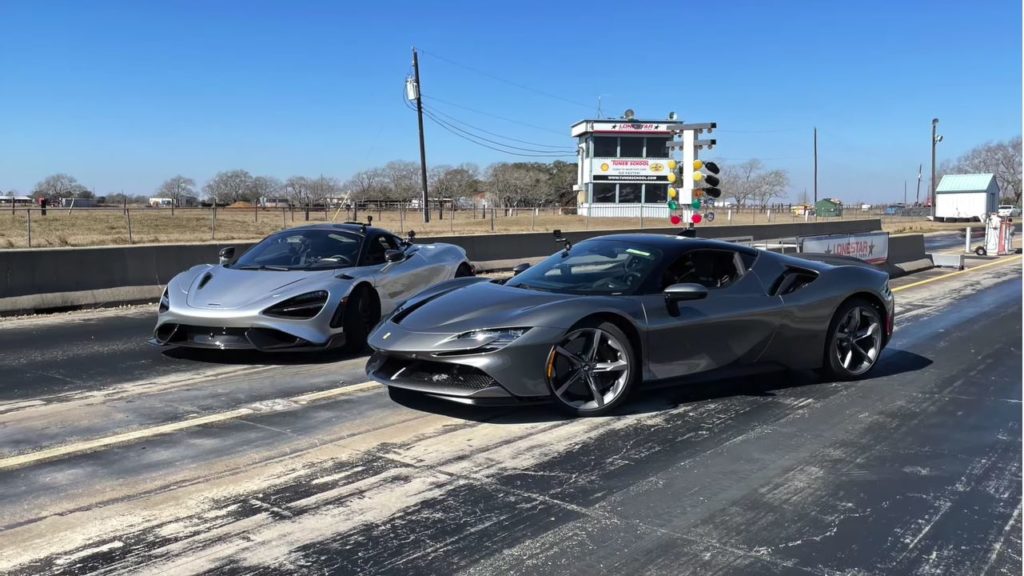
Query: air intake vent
{"type": "Point", "coordinates": [203, 281]}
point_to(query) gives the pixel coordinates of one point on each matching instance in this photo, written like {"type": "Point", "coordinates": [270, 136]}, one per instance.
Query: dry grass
{"type": "Point", "coordinates": [99, 227]}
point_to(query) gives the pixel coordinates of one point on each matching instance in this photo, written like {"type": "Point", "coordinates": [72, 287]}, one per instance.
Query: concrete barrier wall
{"type": "Point", "coordinates": [907, 255]}
{"type": "Point", "coordinates": [24, 272]}
{"type": "Point", "coordinates": [85, 270]}
{"type": "Point", "coordinates": [533, 244]}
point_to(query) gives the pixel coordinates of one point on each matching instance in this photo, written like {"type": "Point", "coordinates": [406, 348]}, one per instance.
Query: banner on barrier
{"type": "Point", "coordinates": [872, 247]}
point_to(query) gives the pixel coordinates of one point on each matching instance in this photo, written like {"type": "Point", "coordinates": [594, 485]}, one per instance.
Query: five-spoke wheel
{"type": "Point", "coordinates": [855, 340]}
{"type": "Point", "coordinates": [592, 369]}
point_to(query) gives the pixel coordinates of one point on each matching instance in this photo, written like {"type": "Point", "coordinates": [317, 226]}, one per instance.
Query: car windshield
{"type": "Point", "coordinates": [593, 267]}
{"type": "Point", "coordinates": [302, 250]}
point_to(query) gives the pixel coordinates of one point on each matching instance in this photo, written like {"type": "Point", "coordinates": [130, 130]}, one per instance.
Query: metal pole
{"type": "Point", "coordinates": [423, 147]}
{"type": "Point", "coordinates": [213, 222]}
{"type": "Point", "coordinates": [284, 217]}
{"type": "Point", "coordinates": [967, 240]}
{"type": "Point", "coordinates": [815, 165]}
{"type": "Point", "coordinates": [916, 199]}
{"type": "Point", "coordinates": [29, 213]}
{"type": "Point", "coordinates": [935, 126]}
{"type": "Point", "coordinates": [128, 215]}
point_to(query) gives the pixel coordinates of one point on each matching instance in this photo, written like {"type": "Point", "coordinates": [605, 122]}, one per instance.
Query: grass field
{"type": "Point", "coordinates": [100, 227]}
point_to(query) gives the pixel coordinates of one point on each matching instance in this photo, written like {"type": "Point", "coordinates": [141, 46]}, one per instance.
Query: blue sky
{"type": "Point", "coordinates": [123, 94]}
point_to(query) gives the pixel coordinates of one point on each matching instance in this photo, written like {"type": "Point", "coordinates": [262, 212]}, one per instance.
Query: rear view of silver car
{"type": "Point", "coordinates": [309, 288]}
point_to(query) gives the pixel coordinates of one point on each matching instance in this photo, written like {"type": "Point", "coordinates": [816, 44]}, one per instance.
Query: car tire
{"type": "Point", "coordinates": [596, 380]}
{"type": "Point", "coordinates": [981, 251]}
{"type": "Point", "coordinates": [855, 340]}
{"type": "Point", "coordinates": [464, 270]}
{"type": "Point", "coordinates": [362, 312]}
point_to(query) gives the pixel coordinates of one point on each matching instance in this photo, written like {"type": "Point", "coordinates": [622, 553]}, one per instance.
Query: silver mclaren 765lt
{"type": "Point", "coordinates": [307, 288]}
{"type": "Point", "coordinates": [593, 322]}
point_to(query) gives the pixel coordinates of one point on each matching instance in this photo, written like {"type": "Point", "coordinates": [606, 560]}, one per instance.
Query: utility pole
{"type": "Point", "coordinates": [917, 199]}
{"type": "Point", "coordinates": [904, 193]}
{"type": "Point", "coordinates": [423, 148]}
{"type": "Point", "coordinates": [935, 140]}
{"type": "Point", "coordinates": [815, 167]}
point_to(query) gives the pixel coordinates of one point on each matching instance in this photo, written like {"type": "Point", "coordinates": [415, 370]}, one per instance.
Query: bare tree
{"type": "Point", "coordinates": [60, 186]}
{"type": "Point", "coordinates": [177, 188]}
{"type": "Point", "coordinates": [297, 190]}
{"type": "Point", "coordinates": [324, 188]}
{"type": "Point", "coordinates": [403, 180]}
{"type": "Point", "coordinates": [231, 186]}
{"type": "Point", "coordinates": [517, 184]}
{"type": "Point", "coordinates": [266, 187]}
{"type": "Point", "coordinates": [367, 185]}
{"type": "Point", "coordinates": [749, 183]}
{"type": "Point", "coordinates": [771, 185]}
{"type": "Point", "coordinates": [739, 181]}
{"type": "Point", "coordinates": [454, 183]}
{"type": "Point", "coordinates": [1003, 159]}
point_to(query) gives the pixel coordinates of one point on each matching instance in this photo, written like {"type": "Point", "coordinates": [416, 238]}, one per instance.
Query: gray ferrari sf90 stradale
{"type": "Point", "coordinates": [307, 288]}
{"type": "Point", "coordinates": [588, 325]}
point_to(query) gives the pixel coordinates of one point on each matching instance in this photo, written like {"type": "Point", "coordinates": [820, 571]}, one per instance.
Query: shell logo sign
{"type": "Point", "coordinates": [604, 167]}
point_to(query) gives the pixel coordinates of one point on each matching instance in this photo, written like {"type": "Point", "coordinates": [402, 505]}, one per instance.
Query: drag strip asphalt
{"type": "Point", "coordinates": [180, 464]}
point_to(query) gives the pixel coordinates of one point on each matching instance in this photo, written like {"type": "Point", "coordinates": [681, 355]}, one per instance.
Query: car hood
{"type": "Point", "coordinates": [481, 305]}
{"type": "Point", "coordinates": [221, 288]}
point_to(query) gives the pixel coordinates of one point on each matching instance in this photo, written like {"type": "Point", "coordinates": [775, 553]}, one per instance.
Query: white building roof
{"type": "Point", "coordinates": [965, 183]}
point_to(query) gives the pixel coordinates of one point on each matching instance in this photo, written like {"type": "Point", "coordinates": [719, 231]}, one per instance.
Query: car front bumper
{"type": "Point", "coordinates": [230, 330]}
{"type": "Point", "coordinates": [414, 361]}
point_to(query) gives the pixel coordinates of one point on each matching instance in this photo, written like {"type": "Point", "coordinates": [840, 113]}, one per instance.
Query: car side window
{"type": "Point", "coordinates": [712, 269]}
{"type": "Point", "coordinates": [375, 250]}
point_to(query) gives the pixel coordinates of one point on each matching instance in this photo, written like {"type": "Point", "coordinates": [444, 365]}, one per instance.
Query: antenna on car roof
{"type": "Point", "coordinates": [369, 222]}
{"type": "Point", "coordinates": [563, 240]}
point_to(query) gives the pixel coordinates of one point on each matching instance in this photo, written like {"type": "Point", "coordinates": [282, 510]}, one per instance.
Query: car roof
{"type": "Point", "coordinates": [672, 243]}
{"type": "Point", "coordinates": [347, 227]}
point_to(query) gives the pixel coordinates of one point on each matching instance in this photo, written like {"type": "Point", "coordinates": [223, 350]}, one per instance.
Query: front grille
{"type": "Point", "coordinates": [452, 377]}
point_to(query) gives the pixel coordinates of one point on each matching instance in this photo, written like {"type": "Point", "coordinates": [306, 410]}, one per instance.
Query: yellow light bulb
{"type": "Point", "coordinates": [697, 164]}
{"type": "Point", "coordinates": [671, 164]}
{"type": "Point", "coordinates": [671, 192]}
{"type": "Point", "coordinates": [698, 176]}
{"type": "Point", "coordinates": [671, 177]}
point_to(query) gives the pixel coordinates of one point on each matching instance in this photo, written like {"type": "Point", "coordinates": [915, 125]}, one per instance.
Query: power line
{"type": "Point", "coordinates": [451, 127]}
{"type": "Point", "coordinates": [495, 116]}
{"type": "Point", "coordinates": [506, 81]}
{"type": "Point", "coordinates": [561, 148]}
{"type": "Point", "coordinates": [454, 130]}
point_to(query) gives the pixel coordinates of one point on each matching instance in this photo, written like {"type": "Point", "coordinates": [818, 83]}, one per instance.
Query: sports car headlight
{"type": "Point", "coordinates": [490, 339]}
{"type": "Point", "coordinates": [301, 307]}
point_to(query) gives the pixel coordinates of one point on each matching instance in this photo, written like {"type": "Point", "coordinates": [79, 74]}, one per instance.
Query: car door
{"type": "Point", "coordinates": [397, 281]}
{"type": "Point", "coordinates": [731, 326]}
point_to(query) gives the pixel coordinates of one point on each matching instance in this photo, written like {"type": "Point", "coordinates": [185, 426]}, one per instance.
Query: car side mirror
{"type": "Point", "coordinates": [392, 256]}
{"type": "Point", "coordinates": [687, 291]}
{"type": "Point", "coordinates": [520, 268]}
{"type": "Point", "coordinates": [226, 255]}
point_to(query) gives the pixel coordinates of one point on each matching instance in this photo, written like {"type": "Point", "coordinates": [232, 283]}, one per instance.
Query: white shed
{"type": "Point", "coordinates": [963, 197]}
